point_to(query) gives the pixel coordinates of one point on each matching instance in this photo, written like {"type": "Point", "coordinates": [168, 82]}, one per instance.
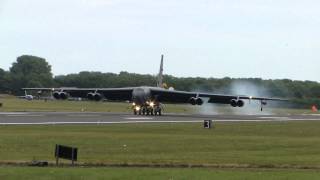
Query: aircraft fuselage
{"type": "Point", "coordinates": [141, 95]}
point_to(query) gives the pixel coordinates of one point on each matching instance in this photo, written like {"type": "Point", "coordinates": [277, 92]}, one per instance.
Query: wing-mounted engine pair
{"type": "Point", "coordinates": [95, 96]}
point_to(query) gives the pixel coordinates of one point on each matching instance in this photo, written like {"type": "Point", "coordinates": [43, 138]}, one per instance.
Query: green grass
{"type": "Point", "coordinates": [255, 144]}
{"type": "Point", "coordinates": [151, 173]}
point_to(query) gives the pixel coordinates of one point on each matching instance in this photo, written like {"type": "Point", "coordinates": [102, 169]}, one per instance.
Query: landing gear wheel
{"type": "Point", "coordinates": [144, 111]}
{"type": "Point", "coordinates": [135, 112]}
{"type": "Point", "coordinates": [160, 113]}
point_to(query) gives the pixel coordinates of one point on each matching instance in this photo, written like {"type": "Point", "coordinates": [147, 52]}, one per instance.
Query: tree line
{"type": "Point", "coordinates": [32, 71]}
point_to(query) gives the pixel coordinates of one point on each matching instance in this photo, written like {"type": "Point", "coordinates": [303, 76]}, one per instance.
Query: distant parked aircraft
{"type": "Point", "coordinates": [147, 100]}
{"type": "Point", "coordinates": [26, 96]}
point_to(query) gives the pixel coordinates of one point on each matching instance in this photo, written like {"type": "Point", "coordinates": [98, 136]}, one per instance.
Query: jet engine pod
{"type": "Point", "coordinates": [193, 101]}
{"type": "Point", "coordinates": [240, 103]}
{"type": "Point", "coordinates": [90, 96]}
{"type": "Point", "coordinates": [56, 95]}
{"type": "Point", "coordinates": [97, 96]}
{"type": "Point", "coordinates": [234, 103]}
{"type": "Point", "coordinates": [63, 95]}
{"type": "Point", "coordinates": [199, 101]}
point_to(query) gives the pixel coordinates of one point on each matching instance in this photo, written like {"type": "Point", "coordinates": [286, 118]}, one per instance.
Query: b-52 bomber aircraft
{"type": "Point", "coordinates": [147, 100]}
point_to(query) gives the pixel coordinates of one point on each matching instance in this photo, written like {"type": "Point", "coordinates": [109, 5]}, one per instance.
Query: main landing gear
{"type": "Point", "coordinates": [155, 110]}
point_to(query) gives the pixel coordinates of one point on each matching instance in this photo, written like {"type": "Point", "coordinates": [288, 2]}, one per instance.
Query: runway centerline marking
{"type": "Point", "coordinates": [83, 115]}
{"type": "Point", "coordinates": [138, 118]}
{"type": "Point", "coordinates": [273, 117]}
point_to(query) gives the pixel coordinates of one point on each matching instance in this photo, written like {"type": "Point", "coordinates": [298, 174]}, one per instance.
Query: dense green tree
{"type": "Point", "coordinates": [30, 71]}
{"type": "Point", "coordinates": [4, 81]}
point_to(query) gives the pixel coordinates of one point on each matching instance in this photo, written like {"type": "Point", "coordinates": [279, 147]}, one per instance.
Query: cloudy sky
{"type": "Point", "coordinates": [208, 38]}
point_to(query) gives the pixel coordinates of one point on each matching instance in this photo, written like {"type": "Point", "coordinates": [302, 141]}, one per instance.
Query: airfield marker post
{"type": "Point", "coordinates": [72, 161]}
{"type": "Point", "coordinates": [207, 124]}
{"type": "Point", "coordinates": [57, 156]}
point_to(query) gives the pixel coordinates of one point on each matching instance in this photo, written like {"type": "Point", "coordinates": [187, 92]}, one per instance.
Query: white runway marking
{"type": "Point", "coordinates": [138, 118]}
{"type": "Point", "coordinates": [83, 115]}
{"type": "Point", "coordinates": [26, 115]}
{"type": "Point", "coordinates": [274, 117]}
{"type": "Point", "coordinates": [13, 113]}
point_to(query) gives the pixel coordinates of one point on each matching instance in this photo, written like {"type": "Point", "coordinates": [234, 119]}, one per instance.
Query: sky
{"type": "Point", "coordinates": [269, 39]}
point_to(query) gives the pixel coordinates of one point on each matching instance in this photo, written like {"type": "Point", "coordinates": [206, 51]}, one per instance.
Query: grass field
{"type": "Point", "coordinates": [253, 144]}
{"type": "Point", "coordinates": [152, 173]}
{"type": "Point", "coordinates": [272, 150]}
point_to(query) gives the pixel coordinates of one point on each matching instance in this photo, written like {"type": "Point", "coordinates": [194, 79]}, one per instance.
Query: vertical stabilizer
{"type": "Point", "coordinates": [160, 75]}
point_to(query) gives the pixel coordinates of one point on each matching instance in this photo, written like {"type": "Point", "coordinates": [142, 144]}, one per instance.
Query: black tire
{"type": "Point", "coordinates": [160, 113]}
{"type": "Point", "coordinates": [151, 112]}
{"type": "Point", "coordinates": [135, 112]}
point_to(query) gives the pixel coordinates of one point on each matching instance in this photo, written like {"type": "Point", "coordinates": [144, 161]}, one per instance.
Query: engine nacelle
{"type": "Point", "coordinates": [240, 103]}
{"type": "Point", "coordinates": [94, 96]}
{"type": "Point", "coordinates": [199, 101]}
{"type": "Point", "coordinates": [56, 95]}
{"type": "Point", "coordinates": [60, 95]}
{"type": "Point", "coordinates": [90, 96]}
{"type": "Point", "coordinates": [193, 101]}
{"type": "Point", "coordinates": [236, 103]}
{"type": "Point", "coordinates": [97, 96]}
{"type": "Point", "coordinates": [63, 95]}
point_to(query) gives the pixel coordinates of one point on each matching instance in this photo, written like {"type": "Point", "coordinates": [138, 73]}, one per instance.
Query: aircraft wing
{"type": "Point", "coordinates": [162, 95]}
{"type": "Point", "coordinates": [114, 94]}
{"type": "Point", "coordinates": [173, 96]}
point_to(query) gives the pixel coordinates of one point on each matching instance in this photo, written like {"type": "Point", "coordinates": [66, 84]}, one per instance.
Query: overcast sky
{"type": "Point", "coordinates": [270, 39]}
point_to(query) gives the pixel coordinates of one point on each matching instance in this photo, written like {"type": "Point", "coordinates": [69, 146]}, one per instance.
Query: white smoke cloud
{"type": "Point", "coordinates": [238, 87]}
{"type": "Point", "coordinates": [208, 108]}
{"type": "Point", "coordinates": [248, 88]}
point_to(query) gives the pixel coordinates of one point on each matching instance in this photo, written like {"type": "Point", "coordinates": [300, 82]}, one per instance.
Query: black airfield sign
{"type": "Point", "coordinates": [66, 152]}
{"type": "Point", "coordinates": [207, 124]}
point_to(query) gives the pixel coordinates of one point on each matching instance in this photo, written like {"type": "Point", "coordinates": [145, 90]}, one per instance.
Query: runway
{"type": "Point", "coordinates": [46, 118]}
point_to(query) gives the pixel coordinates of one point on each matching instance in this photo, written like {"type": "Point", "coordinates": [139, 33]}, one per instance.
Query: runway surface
{"type": "Point", "coordinates": [29, 118]}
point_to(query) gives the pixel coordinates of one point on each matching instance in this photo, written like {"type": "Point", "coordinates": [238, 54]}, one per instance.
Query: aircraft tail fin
{"type": "Point", "coordinates": [160, 75]}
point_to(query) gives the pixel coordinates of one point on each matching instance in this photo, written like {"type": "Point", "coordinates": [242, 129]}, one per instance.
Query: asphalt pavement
{"type": "Point", "coordinates": [26, 118]}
